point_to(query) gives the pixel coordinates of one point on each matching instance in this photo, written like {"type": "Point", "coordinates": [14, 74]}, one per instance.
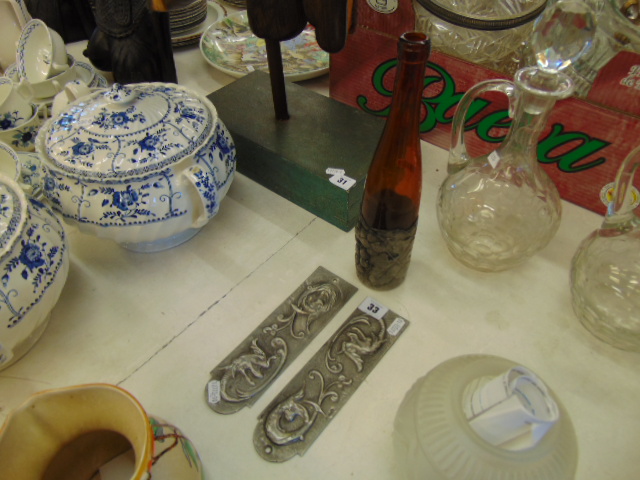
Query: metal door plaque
{"type": "Point", "coordinates": [241, 378]}
{"type": "Point", "coordinates": [299, 414]}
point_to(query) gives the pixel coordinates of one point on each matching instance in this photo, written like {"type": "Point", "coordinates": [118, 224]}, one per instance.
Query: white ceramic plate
{"type": "Point", "coordinates": [230, 46]}
{"type": "Point", "coordinates": [215, 13]}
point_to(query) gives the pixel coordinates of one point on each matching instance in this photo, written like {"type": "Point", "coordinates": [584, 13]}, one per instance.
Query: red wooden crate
{"type": "Point", "coordinates": [582, 146]}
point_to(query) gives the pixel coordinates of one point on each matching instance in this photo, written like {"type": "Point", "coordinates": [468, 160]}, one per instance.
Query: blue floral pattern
{"type": "Point", "coordinates": [125, 200]}
{"type": "Point", "coordinates": [206, 186]}
{"type": "Point", "coordinates": [110, 120]}
{"type": "Point", "coordinates": [150, 142]}
{"type": "Point", "coordinates": [10, 120]}
{"type": "Point", "coordinates": [31, 173]}
{"type": "Point", "coordinates": [65, 121]}
{"type": "Point", "coordinates": [126, 205]}
{"type": "Point", "coordinates": [100, 179]}
{"type": "Point", "coordinates": [220, 157]}
{"type": "Point", "coordinates": [31, 257]}
{"type": "Point", "coordinates": [82, 148]}
{"type": "Point", "coordinates": [133, 129]}
{"type": "Point", "coordinates": [189, 113]}
{"type": "Point", "coordinates": [36, 258]}
{"type": "Point", "coordinates": [24, 138]}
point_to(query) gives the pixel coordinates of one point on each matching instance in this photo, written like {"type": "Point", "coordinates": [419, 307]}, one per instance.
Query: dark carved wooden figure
{"type": "Point", "coordinates": [133, 41]}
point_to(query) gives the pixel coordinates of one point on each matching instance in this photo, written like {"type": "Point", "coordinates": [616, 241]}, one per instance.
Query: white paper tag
{"type": "Point", "coordinates": [396, 326]}
{"type": "Point", "coordinates": [343, 181]}
{"type": "Point", "coordinates": [213, 391]}
{"type": "Point", "coordinates": [513, 410]}
{"type": "Point", "coordinates": [334, 171]}
{"type": "Point", "coordinates": [373, 308]}
{"type": "Point", "coordinates": [494, 158]}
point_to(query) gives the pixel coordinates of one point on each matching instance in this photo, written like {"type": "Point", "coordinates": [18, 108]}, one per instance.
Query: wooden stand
{"type": "Point", "coordinates": [291, 157]}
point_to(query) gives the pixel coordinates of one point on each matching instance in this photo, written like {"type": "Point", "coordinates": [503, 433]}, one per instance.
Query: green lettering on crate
{"type": "Point", "coordinates": [568, 160]}
{"type": "Point", "coordinates": [439, 111]}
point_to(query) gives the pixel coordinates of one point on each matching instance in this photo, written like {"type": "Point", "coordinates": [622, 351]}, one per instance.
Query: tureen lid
{"type": "Point", "coordinates": [13, 212]}
{"type": "Point", "coordinates": [128, 130]}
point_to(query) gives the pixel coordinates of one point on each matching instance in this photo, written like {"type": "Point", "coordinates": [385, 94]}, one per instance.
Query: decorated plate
{"type": "Point", "coordinates": [230, 46]}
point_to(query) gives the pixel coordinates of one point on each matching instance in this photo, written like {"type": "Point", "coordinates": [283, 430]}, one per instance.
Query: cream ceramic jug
{"type": "Point", "coordinates": [70, 433]}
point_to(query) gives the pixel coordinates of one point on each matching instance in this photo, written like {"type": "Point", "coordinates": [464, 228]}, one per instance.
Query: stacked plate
{"type": "Point", "coordinates": [188, 23]}
{"type": "Point", "coordinates": [236, 3]}
{"type": "Point", "coordinates": [183, 19]}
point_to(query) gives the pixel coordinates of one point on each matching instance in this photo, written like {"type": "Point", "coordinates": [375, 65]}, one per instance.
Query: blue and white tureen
{"type": "Point", "coordinates": [146, 164]}
{"type": "Point", "coordinates": [34, 260]}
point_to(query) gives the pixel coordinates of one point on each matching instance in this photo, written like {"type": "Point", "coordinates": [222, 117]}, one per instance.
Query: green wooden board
{"type": "Point", "coordinates": [291, 157]}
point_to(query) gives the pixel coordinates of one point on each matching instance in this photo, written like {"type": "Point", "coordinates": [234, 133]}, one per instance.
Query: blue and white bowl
{"type": "Point", "coordinates": [34, 262]}
{"type": "Point", "coordinates": [22, 138]}
{"type": "Point", "coordinates": [146, 164]}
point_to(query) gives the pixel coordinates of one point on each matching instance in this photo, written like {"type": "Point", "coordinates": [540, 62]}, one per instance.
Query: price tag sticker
{"type": "Point", "coordinates": [213, 391]}
{"type": "Point", "coordinates": [373, 308]}
{"type": "Point", "coordinates": [493, 158]}
{"type": "Point", "coordinates": [396, 326]}
{"type": "Point", "coordinates": [343, 181]}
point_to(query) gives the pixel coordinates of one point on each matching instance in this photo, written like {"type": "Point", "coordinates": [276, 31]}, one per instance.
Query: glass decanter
{"type": "Point", "coordinates": [618, 29]}
{"type": "Point", "coordinates": [497, 210]}
{"type": "Point", "coordinates": [605, 270]}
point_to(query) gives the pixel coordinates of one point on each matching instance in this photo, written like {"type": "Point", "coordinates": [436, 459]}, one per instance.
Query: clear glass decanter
{"type": "Point", "coordinates": [618, 29]}
{"type": "Point", "coordinates": [497, 210]}
{"type": "Point", "coordinates": [605, 270]}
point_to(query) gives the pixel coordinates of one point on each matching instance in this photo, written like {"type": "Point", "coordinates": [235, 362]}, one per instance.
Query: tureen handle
{"type": "Point", "coordinates": [204, 183]}
{"type": "Point", "coordinates": [120, 95]}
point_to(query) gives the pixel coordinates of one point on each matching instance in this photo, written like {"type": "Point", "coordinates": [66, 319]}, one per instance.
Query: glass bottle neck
{"type": "Point", "coordinates": [393, 186]}
{"type": "Point", "coordinates": [536, 94]}
{"type": "Point", "coordinates": [529, 120]}
{"type": "Point", "coordinates": [409, 82]}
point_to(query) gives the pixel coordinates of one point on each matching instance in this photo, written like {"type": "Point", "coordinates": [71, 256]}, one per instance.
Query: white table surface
{"type": "Point", "coordinates": [156, 324]}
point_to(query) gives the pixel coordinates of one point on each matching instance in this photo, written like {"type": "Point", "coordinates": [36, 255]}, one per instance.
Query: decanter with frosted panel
{"type": "Point", "coordinates": [497, 210]}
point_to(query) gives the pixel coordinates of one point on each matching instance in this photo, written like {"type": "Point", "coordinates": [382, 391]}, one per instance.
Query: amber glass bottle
{"type": "Point", "coordinates": [389, 212]}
